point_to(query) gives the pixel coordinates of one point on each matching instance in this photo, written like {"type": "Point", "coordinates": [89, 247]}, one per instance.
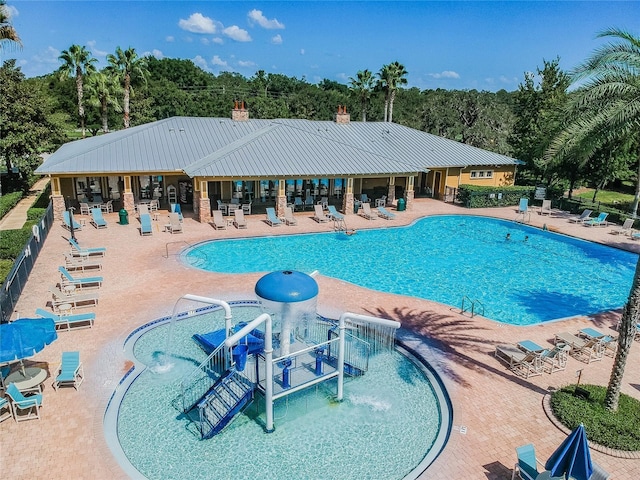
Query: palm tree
{"type": "Point", "coordinates": [101, 89]}
{"type": "Point", "coordinates": [78, 62]}
{"type": "Point", "coordinates": [363, 86]}
{"type": "Point", "coordinates": [390, 77]}
{"type": "Point", "coordinates": [8, 34]}
{"type": "Point", "coordinates": [126, 65]}
{"type": "Point", "coordinates": [607, 109]}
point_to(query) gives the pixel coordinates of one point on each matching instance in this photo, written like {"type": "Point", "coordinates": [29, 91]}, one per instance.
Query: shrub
{"type": "Point", "coordinates": [13, 241]}
{"type": "Point", "coordinates": [8, 201]}
{"type": "Point", "coordinates": [472, 196]}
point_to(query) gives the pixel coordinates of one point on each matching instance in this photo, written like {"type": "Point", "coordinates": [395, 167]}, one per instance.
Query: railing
{"type": "Point", "coordinates": [170, 243]}
{"type": "Point", "coordinates": [203, 377]}
{"type": "Point", "coordinates": [472, 306]}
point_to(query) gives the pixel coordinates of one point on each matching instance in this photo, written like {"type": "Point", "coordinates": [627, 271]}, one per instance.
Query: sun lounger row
{"type": "Point", "coordinates": [67, 322]}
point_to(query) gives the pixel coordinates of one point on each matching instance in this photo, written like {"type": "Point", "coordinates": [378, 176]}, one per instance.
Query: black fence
{"type": "Point", "coordinates": [17, 278]}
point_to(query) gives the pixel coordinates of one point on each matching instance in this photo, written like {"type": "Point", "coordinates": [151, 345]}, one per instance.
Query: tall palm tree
{"type": "Point", "coordinates": [101, 91]}
{"type": "Point", "coordinates": [363, 86]}
{"type": "Point", "coordinates": [78, 63]}
{"type": "Point", "coordinates": [8, 34]}
{"type": "Point", "coordinates": [390, 78]}
{"type": "Point", "coordinates": [126, 65]}
{"type": "Point", "coordinates": [607, 109]}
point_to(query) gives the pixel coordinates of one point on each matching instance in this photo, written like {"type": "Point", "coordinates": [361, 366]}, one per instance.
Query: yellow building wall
{"type": "Point", "coordinates": [502, 176]}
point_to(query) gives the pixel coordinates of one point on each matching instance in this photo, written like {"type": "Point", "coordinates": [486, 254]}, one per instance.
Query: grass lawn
{"type": "Point", "coordinates": [607, 197]}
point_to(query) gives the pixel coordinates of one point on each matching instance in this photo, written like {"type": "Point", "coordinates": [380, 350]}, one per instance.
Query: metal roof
{"type": "Point", "coordinates": [221, 147]}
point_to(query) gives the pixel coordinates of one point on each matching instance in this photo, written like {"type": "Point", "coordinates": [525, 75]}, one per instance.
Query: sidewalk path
{"type": "Point", "coordinates": [16, 218]}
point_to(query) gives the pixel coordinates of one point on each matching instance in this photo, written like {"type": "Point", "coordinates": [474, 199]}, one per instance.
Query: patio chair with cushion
{"type": "Point", "coordinates": [97, 220]}
{"type": "Point", "coordinates": [82, 283]}
{"type": "Point", "coordinates": [30, 406]}
{"type": "Point", "coordinates": [527, 364]}
{"type": "Point", "coordinates": [67, 322]}
{"type": "Point", "coordinates": [318, 214]}
{"type": "Point", "coordinates": [66, 221]}
{"type": "Point", "coordinates": [584, 216]}
{"type": "Point", "coordinates": [70, 371]}
{"type": "Point", "coordinates": [272, 220]}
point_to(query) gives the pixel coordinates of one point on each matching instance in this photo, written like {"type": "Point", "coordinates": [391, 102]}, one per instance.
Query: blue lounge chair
{"type": "Point", "coordinates": [297, 204]}
{"type": "Point", "coordinates": [145, 224]}
{"type": "Point", "coordinates": [527, 466]}
{"type": "Point", "coordinates": [175, 208]}
{"type": "Point", "coordinates": [78, 251]}
{"type": "Point", "coordinates": [524, 205]}
{"type": "Point", "coordinates": [87, 282]}
{"type": "Point", "coordinates": [70, 371]}
{"type": "Point", "coordinates": [5, 404]}
{"type": "Point", "coordinates": [386, 214]}
{"type": "Point", "coordinates": [599, 221]}
{"type": "Point", "coordinates": [78, 320]}
{"type": "Point", "coordinates": [31, 404]}
{"type": "Point", "coordinates": [334, 214]}
{"type": "Point", "coordinates": [97, 220]}
{"type": "Point", "coordinates": [271, 217]}
{"type": "Point", "coordinates": [308, 202]}
{"type": "Point", "coordinates": [66, 218]}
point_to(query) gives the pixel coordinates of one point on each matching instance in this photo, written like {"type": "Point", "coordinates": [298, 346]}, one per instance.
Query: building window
{"type": "Point", "coordinates": [481, 174]}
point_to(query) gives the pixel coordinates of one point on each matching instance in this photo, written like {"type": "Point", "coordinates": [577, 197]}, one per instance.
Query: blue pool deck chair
{"type": "Point", "coordinates": [145, 224]}
{"type": "Point", "coordinates": [524, 205]}
{"type": "Point", "coordinates": [334, 214]}
{"type": "Point", "coordinates": [86, 282]}
{"type": "Point", "coordinates": [78, 251]}
{"type": "Point", "coordinates": [97, 220]}
{"type": "Point", "coordinates": [70, 371]}
{"type": "Point", "coordinates": [66, 219]}
{"type": "Point", "coordinates": [272, 220]}
{"type": "Point", "coordinates": [599, 221]}
{"type": "Point", "coordinates": [30, 404]}
{"type": "Point", "coordinates": [67, 322]}
{"type": "Point", "coordinates": [386, 214]}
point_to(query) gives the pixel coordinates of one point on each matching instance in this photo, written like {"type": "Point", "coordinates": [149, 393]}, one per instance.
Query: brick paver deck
{"type": "Point", "coordinates": [493, 410]}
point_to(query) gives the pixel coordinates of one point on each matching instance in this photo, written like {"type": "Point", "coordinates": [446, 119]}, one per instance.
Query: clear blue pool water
{"type": "Point", "coordinates": [384, 428]}
{"type": "Point", "coordinates": [444, 258]}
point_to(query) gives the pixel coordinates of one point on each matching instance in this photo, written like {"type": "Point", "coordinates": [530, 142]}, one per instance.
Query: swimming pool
{"type": "Point", "coordinates": [533, 277]}
{"type": "Point", "coordinates": [390, 423]}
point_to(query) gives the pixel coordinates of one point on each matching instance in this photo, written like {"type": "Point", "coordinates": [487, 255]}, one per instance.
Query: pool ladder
{"type": "Point", "coordinates": [476, 307]}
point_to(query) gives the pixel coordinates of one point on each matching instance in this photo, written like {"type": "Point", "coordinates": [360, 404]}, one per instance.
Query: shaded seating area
{"type": "Point", "coordinates": [67, 322]}
{"type": "Point", "coordinates": [97, 220]}
{"type": "Point", "coordinates": [70, 371]}
{"type": "Point", "coordinates": [24, 407]}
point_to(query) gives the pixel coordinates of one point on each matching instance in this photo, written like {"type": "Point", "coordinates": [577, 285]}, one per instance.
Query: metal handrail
{"type": "Point", "coordinates": [177, 241]}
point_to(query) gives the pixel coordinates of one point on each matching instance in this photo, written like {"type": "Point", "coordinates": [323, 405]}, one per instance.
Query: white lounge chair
{"type": "Point", "coordinates": [545, 208]}
{"type": "Point", "coordinates": [239, 220]}
{"type": "Point", "coordinates": [174, 225]}
{"type": "Point", "coordinates": [528, 364]}
{"type": "Point", "coordinates": [77, 300]}
{"type": "Point", "coordinates": [218, 221]}
{"type": "Point", "coordinates": [587, 350]}
{"type": "Point", "coordinates": [289, 219]}
{"type": "Point", "coordinates": [365, 211]}
{"type": "Point", "coordinates": [319, 215]}
{"type": "Point", "coordinates": [583, 217]}
{"type": "Point", "coordinates": [81, 263]}
{"type": "Point", "coordinates": [625, 229]}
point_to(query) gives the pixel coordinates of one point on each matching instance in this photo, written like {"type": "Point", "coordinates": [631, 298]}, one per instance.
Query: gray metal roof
{"type": "Point", "coordinates": [221, 147]}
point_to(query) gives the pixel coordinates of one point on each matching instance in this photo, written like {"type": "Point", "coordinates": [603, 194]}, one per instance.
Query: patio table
{"type": "Point", "coordinates": [31, 380]}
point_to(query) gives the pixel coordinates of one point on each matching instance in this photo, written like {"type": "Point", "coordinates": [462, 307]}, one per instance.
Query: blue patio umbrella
{"type": "Point", "coordinates": [572, 458]}
{"type": "Point", "coordinates": [24, 338]}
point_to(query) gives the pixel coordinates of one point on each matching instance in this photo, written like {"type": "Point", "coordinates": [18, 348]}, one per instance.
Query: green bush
{"type": "Point", "coordinates": [472, 196]}
{"type": "Point", "coordinates": [619, 430]}
{"type": "Point", "coordinates": [13, 241]}
{"type": "Point", "coordinates": [8, 201]}
{"type": "Point", "coordinates": [5, 268]}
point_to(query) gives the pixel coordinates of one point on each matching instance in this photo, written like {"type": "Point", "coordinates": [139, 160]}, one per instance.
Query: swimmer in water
{"type": "Point", "coordinates": [508, 236]}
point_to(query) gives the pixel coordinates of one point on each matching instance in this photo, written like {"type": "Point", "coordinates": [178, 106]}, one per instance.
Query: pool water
{"type": "Point", "coordinates": [535, 276]}
{"type": "Point", "coordinates": [384, 428]}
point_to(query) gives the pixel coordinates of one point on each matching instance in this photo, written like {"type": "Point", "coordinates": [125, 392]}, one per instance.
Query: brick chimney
{"type": "Point", "coordinates": [239, 113]}
{"type": "Point", "coordinates": [342, 116]}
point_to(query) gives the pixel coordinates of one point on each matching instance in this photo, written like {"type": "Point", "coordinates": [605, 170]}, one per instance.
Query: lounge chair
{"type": "Point", "coordinates": [175, 208]}
{"type": "Point", "coordinates": [308, 202]}
{"type": "Point", "coordinates": [555, 358]}
{"type": "Point", "coordinates": [527, 466]}
{"type": "Point", "coordinates": [297, 204]}
{"type": "Point", "coordinates": [599, 221]}
{"type": "Point", "coordinates": [81, 263]}
{"type": "Point", "coordinates": [67, 322]}
{"type": "Point", "coordinates": [4, 372]}
{"type": "Point", "coordinates": [608, 344]}
{"type": "Point", "coordinates": [20, 403]}
{"type": "Point", "coordinates": [218, 221]}
{"type": "Point", "coordinates": [289, 219]}
{"type": "Point", "coordinates": [386, 214]}
{"type": "Point", "coordinates": [545, 208]}
{"type": "Point", "coordinates": [5, 409]}
{"type": "Point", "coordinates": [70, 371]}
{"type": "Point", "coordinates": [588, 350]}
{"type": "Point", "coordinates": [625, 229]}
{"type": "Point", "coordinates": [523, 206]}
{"type": "Point", "coordinates": [365, 211]}
{"type": "Point", "coordinates": [78, 251]}
{"type": "Point", "coordinates": [272, 220]}
{"type": "Point", "coordinates": [584, 216]}
{"type": "Point", "coordinates": [174, 225]}
{"type": "Point", "coordinates": [528, 364]}
{"type": "Point", "coordinates": [142, 209]}
{"type": "Point", "coordinates": [334, 214]}
{"type": "Point", "coordinates": [66, 221]}
{"type": "Point", "coordinates": [319, 215]}
{"type": "Point", "coordinates": [85, 299]}
{"type": "Point", "coordinates": [97, 220]}
{"type": "Point", "coordinates": [82, 283]}
{"type": "Point", "coordinates": [146, 227]}
{"type": "Point", "coordinates": [239, 220]}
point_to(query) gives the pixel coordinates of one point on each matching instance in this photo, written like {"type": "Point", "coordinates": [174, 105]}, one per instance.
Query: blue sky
{"type": "Point", "coordinates": [444, 44]}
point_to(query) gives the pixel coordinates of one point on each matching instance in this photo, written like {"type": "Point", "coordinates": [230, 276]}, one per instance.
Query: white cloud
{"type": "Point", "coordinates": [198, 23]}
{"type": "Point", "coordinates": [218, 40]}
{"type": "Point", "coordinates": [216, 60]}
{"type": "Point", "coordinates": [445, 74]}
{"type": "Point", "coordinates": [277, 40]}
{"type": "Point", "coordinates": [204, 41]}
{"type": "Point", "coordinates": [302, 51]}
{"type": "Point", "coordinates": [155, 53]}
{"type": "Point", "coordinates": [247, 63]}
{"type": "Point", "coordinates": [170, 38]}
{"type": "Point", "coordinates": [201, 62]}
{"type": "Point", "coordinates": [94, 50]}
{"type": "Point", "coordinates": [236, 33]}
{"type": "Point", "coordinates": [49, 56]}
{"type": "Point", "coordinates": [256, 17]}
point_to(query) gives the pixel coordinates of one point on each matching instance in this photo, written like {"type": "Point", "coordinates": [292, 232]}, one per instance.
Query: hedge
{"type": "Point", "coordinates": [472, 196]}
{"type": "Point", "coordinates": [8, 201]}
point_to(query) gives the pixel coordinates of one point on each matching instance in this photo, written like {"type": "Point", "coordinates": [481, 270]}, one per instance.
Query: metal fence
{"type": "Point", "coordinates": [19, 274]}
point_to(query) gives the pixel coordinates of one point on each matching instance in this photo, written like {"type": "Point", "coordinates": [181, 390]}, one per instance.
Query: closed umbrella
{"type": "Point", "coordinates": [572, 458]}
{"type": "Point", "coordinates": [24, 338]}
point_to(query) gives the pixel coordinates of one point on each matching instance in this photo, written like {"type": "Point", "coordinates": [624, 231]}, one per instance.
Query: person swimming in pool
{"type": "Point", "coordinates": [508, 237]}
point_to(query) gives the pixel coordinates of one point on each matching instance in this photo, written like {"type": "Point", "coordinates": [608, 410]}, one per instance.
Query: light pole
{"type": "Point", "coordinates": [71, 229]}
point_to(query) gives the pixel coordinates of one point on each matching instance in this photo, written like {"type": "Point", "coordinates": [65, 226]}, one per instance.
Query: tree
{"type": "Point", "coordinates": [362, 86]}
{"type": "Point", "coordinates": [127, 66]}
{"type": "Point", "coordinates": [390, 78]}
{"type": "Point", "coordinates": [78, 63]}
{"type": "Point", "coordinates": [607, 108]}
{"type": "Point", "coordinates": [28, 127]}
{"type": "Point", "coordinates": [101, 90]}
{"type": "Point", "coordinates": [8, 34]}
